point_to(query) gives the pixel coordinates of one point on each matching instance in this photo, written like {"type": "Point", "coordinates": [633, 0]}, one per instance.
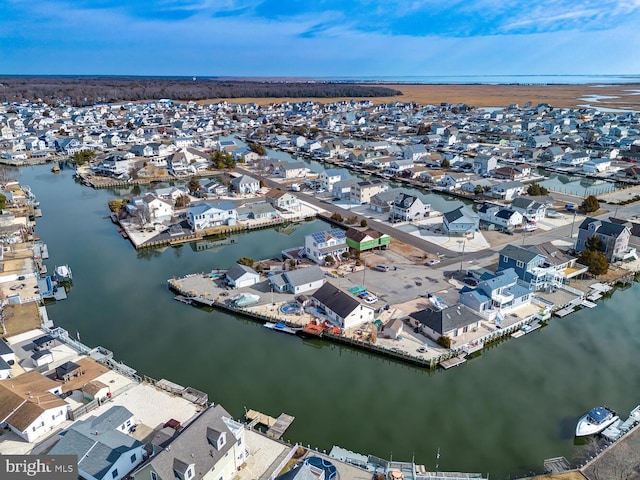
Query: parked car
{"type": "Point", "coordinates": [381, 268]}
{"type": "Point", "coordinates": [433, 261]}
{"type": "Point", "coordinates": [472, 282]}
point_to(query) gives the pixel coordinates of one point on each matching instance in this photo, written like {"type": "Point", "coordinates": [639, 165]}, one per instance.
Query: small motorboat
{"type": "Point", "coordinates": [595, 421]}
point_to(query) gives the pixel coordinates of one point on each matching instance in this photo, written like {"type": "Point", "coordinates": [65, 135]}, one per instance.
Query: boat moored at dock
{"type": "Point", "coordinates": [595, 421]}
{"type": "Point", "coordinates": [282, 327]}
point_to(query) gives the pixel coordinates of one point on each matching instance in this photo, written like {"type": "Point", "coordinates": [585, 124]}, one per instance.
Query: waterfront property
{"type": "Point", "coordinates": [240, 276]}
{"type": "Point", "coordinates": [496, 294]}
{"type": "Point", "coordinates": [614, 237]}
{"type": "Point", "coordinates": [341, 308]}
{"type": "Point", "coordinates": [460, 221]}
{"type": "Point", "coordinates": [448, 322]}
{"type": "Point", "coordinates": [367, 239]}
{"type": "Point", "coordinates": [299, 280]}
{"type": "Point", "coordinates": [205, 215]}
{"type": "Point", "coordinates": [330, 243]}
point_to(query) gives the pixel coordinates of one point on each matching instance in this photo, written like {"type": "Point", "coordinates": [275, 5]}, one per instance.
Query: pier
{"type": "Point", "coordinates": [275, 426]}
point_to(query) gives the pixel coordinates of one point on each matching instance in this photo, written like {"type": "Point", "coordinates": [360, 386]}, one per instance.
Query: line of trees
{"type": "Point", "coordinates": [80, 91]}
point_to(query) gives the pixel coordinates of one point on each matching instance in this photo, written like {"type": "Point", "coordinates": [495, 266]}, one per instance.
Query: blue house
{"type": "Point", "coordinates": [539, 267]}
{"type": "Point", "coordinates": [495, 294]}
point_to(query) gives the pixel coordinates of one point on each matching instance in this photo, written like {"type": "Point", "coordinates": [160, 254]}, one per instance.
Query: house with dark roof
{"type": "Point", "coordinates": [460, 221]}
{"type": "Point", "coordinates": [211, 446]}
{"type": "Point", "coordinates": [539, 267]}
{"type": "Point", "coordinates": [362, 191]}
{"type": "Point", "coordinates": [103, 448]}
{"type": "Point", "coordinates": [240, 276]}
{"type": "Point", "coordinates": [7, 359]}
{"type": "Point", "coordinates": [406, 208]}
{"type": "Point", "coordinates": [496, 294]}
{"type": "Point", "coordinates": [614, 237]}
{"type": "Point", "coordinates": [448, 322]}
{"type": "Point", "coordinates": [299, 280]}
{"type": "Point", "coordinates": [342, 309]}
{"type": "Point", "coordinates": [529, 208]}
{"type": "Point", "coordinates": [319, 245]}
{"type": "Point", "coordinates": [367, 239]}
{"type": "Point", "coordinates": [499, 215]}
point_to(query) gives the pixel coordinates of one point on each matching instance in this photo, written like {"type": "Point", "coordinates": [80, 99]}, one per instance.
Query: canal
{"type": "Point", "coordinates": [503, 412]}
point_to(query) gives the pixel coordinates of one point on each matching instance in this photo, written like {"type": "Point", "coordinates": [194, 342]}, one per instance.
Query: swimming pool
{"type": "Point", "coordinates": [290, 308]}
{"type": "Point", "coordinates": [330, 472]}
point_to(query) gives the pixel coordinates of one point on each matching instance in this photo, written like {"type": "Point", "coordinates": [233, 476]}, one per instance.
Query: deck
{"type": "Point", "coordinates": [275, 426]}
{"type": "Point", "coordinates": [453, 362]}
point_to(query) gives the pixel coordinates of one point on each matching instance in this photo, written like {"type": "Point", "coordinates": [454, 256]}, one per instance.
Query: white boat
{"type": "Point", "coordinates": [246, 299]}
{"type": "Point", "coordinates": [63, 273]}
{"type": "Point", "coordinates": [595, 421]}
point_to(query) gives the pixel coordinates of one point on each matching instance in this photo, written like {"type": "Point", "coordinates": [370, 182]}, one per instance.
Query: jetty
{"type": "Point", "coordinates": [275, 426]}
{"type": "Point", "coordinates": [453, 362]}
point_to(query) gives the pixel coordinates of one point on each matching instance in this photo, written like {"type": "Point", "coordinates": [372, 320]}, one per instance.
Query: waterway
{"type": "Point", "coordinates": [503, 412]}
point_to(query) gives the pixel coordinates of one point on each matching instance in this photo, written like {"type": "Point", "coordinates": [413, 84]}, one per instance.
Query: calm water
{"type": "Point", "coordinates": [503, 412]}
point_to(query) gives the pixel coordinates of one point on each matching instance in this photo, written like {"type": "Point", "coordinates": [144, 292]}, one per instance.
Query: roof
{"type": "Point", "coordinates": [501, 279]}
{"type": "Point", "coordinates": [193, 446]}
{"type": "Point", "coordinates": [518, 253]}
{"type": "Point", "coordinates": [336, 300]}
{"type": "Point", "coordinates": [302, 276]}
{"type": "Point", "coordinates": [4, 348]}
{"type": "Point", "coordinates": [326, 235]}
{"type": "Point", "coordinates": [205, 207]}
{"type": "Point", "coordinates": [603, 227]}
{"type": "Point", "coordinates": [552, 254]}
{"type": "Point", "coordinates": [96, 442]}
{"type": "Point", "coordinates": [447, 319]}
{"type": "Point", "coordinates": [238, 271]}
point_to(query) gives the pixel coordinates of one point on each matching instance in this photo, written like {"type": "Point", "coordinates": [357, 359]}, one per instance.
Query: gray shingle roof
{"type": "Point", "coordinates": [303, 276]}
{"type": "Point", "coordinates": [518, 253]}
{"type": "Point", "coordinates": [237, 271]}
{"type": "Point", "coordinates": [445, 320]}
{"type": "Point", "coordinates": [336, 300]}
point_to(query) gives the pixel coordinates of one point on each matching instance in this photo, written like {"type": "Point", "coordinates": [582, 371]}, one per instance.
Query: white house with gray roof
{"type": "Point", "coordinates": [299, 280]}
{"type": "Point", "coordinates": [240, 276]}
{"type": "Point", "coordinates": [340, 308]}
{"type": "Point", "coordinates": [208, 215]}
{"type": "Point", "coordinates": [104, 451]}
{"type": "Point", "coordinates": [245, 184]}
{"type": "Point", "coordinates": [449, 322]}
{"type": "Point", "coordinates": [211, 447]}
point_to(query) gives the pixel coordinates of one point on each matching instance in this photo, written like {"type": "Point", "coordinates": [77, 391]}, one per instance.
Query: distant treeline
{"type": "Point", "coordinates": [91, 90]}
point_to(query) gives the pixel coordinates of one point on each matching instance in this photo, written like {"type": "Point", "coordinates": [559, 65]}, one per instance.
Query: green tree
{"type": "Point", "coordinates": [257, 148]}
{"type": "Point", "coordinates": [292, 264]}
{"type": "Point", "coordinates": [595, 260]}
{"type": "Point", "coordinates": [329, 259]}
{"type": "Point", "coordinates": [363, 222]}
{"type": "Point", "coordinates": [478, 190]}
{"type": "Point", "coordinates": [595, 243]}
{"type": "Point", "coordinates": [590, 204]}
{"type": "Point", "coordinates": [444, 341]}
{"type": "Point", "coordinates": [182, 201]}
{"type": "Point", "coordinates": [345, 255]}
{"type": "Point", "coordinates": [337, 217]}
{"type": "Point", "coordinates": [194, 185]}
{"type": "Point", "coordinates": [246, 261]}
{"type": "Point", "coordinates": [535, 189]}
{"type": "Point", "coordinates": [445, 163]}
{"type": "Point", "coordinates": [3, 201]}
{"type": "Point", "coordinates": [83, 156]}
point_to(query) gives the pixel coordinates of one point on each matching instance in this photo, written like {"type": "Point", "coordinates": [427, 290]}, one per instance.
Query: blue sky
{"type": "Point", "coordinates": [321, 38]}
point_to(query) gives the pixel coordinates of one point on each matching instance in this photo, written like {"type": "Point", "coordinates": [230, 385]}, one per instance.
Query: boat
{"type": "Point", "coordinates": [63, 273]}
{"type": "Point", "coordinates": [437, 302]}
{"type": "Point", "coordinates": [595, 421]}
{"type": "Point", "coordinates": [282, 327]}
{"type": "Point", "coordinates": [245, 299]}
{"type": "Point", "coordinates": [55, 169]}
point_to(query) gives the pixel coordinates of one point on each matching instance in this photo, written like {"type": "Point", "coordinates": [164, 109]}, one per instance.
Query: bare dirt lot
{"type": "Point", "coordinates": [617, 96]}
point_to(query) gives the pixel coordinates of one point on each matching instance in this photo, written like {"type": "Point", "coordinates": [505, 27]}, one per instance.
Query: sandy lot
{"type": "Point", "coordinates": [618, 96]}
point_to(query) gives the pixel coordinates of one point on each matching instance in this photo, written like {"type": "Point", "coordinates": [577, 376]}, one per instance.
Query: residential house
{"type": "Point", "coordinates": [496, 294]}
{"type": "Point", "coordinates": [240, 276]}
{"type": "Point", "coordinates": [512, 172]}
{"type": "Point", "coordinates": [383, 201]}
{"type": "Point", "coordinates": [342, 189]}
{"type": "Point", "coordinates": [368, 239]}
{"type": "Point", "coordinates": [484, 164]}
{"type": "Point", "coordinates": [293, 170]}
{"type": "Point", "coordinates": [244, 185]}
{"type": "Point", "coordinates": [257, 211]}
{"type": "Point", "coordinates": [7, 360]}
{"type": "Point", "coordinates": [415, 153]}
{"type": "Point", "coordinates": [298, 281]}
{"type": "Point", "coordinates": [30, 405]}
{"type": "Point", "coordinates": [454, 180]}
{"type": "Point", "coordinates": [396, 167]}
{"type": "Point", "coordinates": [530, 209]}
{"type": "Point", "coordinates": [507, 190]}
{"type": "Point", "coordinates": [178, 164]}
{"type": "Point", "coordinates": [282, 200]}
{"type": "Point", "coordinates": [210, 447]}
{"type": "Point", "coordinates": [614, 237]}
{"type": "Point", "coordinates": [103, 448]}
{"type": "Point", "coordinates": [207, 215]}
{"type": "Point", "coordinates": [157, 209]}
{"type": "Point", "coordinates": [319, 245]}
{"type": "Point", "coordinates": [473, 185]}
{"type": "Point", "coordinates": [328, 178]}
{"type": "Point", "coordinates": [539, 267]}
{"type": "Point", "coordinates": [574, 159]}
{"type": "Point", "coordinates": [499, 215]}
{"type": "Point", "coordinates": [596, 165]}
{"type": "Point", "coordinates": [448, 322]}
{"type": "Point", "coordinates": [215, 188]}
{"type": "Point", "coordinates": [362, 192]}
{"type": "Point", "coordinates": [552, 154]}
{"type": "Point", "coordinates": [341, 309]}
{"type": "Point", "coordinates": [406, 208]}
{"type": "Point", "coordinates": [460, 221]}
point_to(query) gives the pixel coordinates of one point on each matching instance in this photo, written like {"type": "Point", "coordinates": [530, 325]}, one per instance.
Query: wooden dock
{"type": "Point", "coordinates": [453, 362]}
{"type": "Point", "coordinates": [275, 426]}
